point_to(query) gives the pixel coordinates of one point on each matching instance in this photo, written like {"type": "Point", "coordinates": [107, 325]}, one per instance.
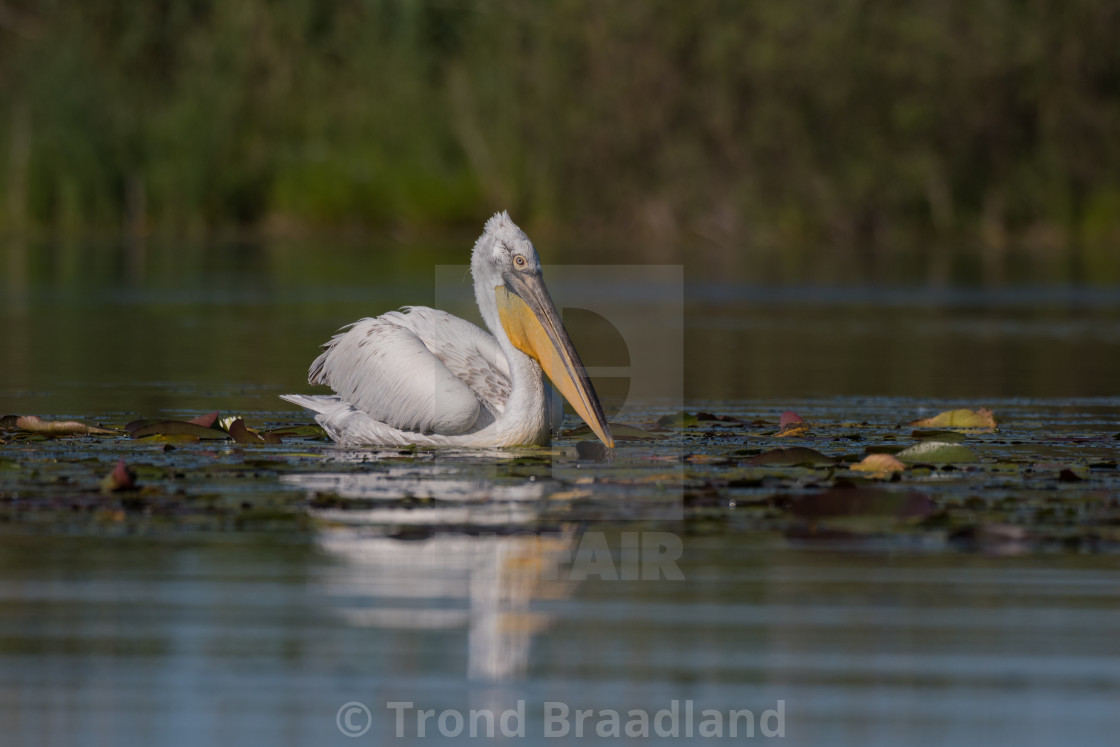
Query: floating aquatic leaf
{"type": "Point", "coordinates": [241, 434]}
{"type": "Point", "coordinates": [677, 420]}
{"type": "Point", "coordinates": [847, 500]}
{"type": "Point", "coordinates": [891, 449]}
{"type": "Point", "coordinates": [620, 431]}
{"type": "Point", "coordinates": [122, 477]}
{"type": "Point", "coordinates": [305, 431]}
{"type": "Point", "coordinates": [178, 428]}
{"type": "Point", "coordinates": [791, 457]}
{"type": "Point", "coordinates": [949, 437]}
{"type": "Point", "coordinates": [879, 465]}
{"type": "Point", "coordinates": [167, 439]}
{"type": "Point", "coordinates": [137, 424]}
{"type": "Point", "coordinates": [937, 452]}
{"type": "Point", "coordinates": [35, 424]}
{"type": "Point", "coordinates": [961, 418]}
{"type": "Point", "coordinates": [207, 420]}
{"type": "Point", "coordinates": [707, 416]}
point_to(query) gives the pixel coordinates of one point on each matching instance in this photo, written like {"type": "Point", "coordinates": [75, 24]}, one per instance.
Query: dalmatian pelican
{"type": "Point", "coordinates": [423, 376]}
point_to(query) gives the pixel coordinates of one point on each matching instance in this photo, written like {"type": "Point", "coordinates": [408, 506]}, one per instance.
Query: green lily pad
{"type": "Point", "coordinates": [960, 418]}
{"type": "Point", "coordinates": [937, 452]}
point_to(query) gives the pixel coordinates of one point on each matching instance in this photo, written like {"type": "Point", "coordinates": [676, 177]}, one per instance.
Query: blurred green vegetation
{"type": "Point", "coordinates": [755, 131]}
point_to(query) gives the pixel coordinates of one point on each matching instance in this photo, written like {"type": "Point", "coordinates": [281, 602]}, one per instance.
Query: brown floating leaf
{"type": "Point", "coordinates": [879, 465]}
{"type": "Point", "coordinates": [177, 428]}
{"type": "Point", "coordinates": [706, 416]}
{"type": "Point", "coordinates": [858, 501]}
{"type": "Point", "coordinates": [121, 478]}
{"type": "Point", "coordinates": [207, 420]}
{"type": "Point", "coordinates": [791, 457]}
{"type": "Point", "coordinates": [620, 431]}
{"type": "Point", "coordinates": [135, 424]}
{"type": "Point", "coordinates": [35, 424]}
{"type": "Point", "coordinates": [242, 435]}
{"type": "Point", "coordinates": [677, 420]}
{"type": "Point", "coordinates": [961, 418]}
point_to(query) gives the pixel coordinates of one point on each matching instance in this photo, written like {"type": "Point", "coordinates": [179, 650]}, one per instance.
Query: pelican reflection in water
{"type": "Point", "coordinates": [423, 376]}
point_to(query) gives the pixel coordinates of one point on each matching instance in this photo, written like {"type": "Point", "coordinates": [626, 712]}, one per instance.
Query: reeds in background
{"type": "Point", "coordinates": [780, 132]}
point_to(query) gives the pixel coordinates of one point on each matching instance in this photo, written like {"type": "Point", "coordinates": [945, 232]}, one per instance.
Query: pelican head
{"type": "Point", "coordinates": [515, 303]}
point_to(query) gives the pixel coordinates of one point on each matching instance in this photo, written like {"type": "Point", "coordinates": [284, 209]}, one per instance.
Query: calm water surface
{"type": "Point", "coordinates": [134, 633]}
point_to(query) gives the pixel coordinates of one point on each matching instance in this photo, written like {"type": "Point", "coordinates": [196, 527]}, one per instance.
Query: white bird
{"type": "Point", "coordinates": [423, 376]}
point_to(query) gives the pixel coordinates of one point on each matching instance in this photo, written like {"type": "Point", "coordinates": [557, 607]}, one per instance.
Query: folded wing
{"type": "Point", "coordinates": [423, 370]}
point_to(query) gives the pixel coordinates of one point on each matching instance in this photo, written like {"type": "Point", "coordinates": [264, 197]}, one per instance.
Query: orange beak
{"type": "Point", "coordinates": [535, 328]}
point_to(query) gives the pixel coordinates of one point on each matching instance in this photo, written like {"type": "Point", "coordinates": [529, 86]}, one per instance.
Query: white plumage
{"type": "Point", "coordinates": [423, 376]}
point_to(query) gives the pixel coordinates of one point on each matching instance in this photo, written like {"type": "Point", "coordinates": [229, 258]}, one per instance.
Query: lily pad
{"type": "Point", "coordinates": [879, 465]}
{"type": "Point", "coordinates": [944, 436]}
{"type": "Point", "coordinates": [302, 431]}
{"type": "Point", "coordinates": [791, 457]}
{"type": "Point", "coordinates": [677, 420]}
{"type": "Point", "coordinates": [242, 435]}
{"type": "Point", "coordinates": [937, 452]}
{"type": "Point", "coordinates": [178, 428]}
{"type": "Point", "coordinates": [960, 418]}
{"type": "Point", "coordinates": [707, 416]}
{"type": "Point", "coordinates": [207, 420]}
{"type": "Point", "coordinates": [620, 431]}
{"type": "Point", "coordinates": [35, 424]}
